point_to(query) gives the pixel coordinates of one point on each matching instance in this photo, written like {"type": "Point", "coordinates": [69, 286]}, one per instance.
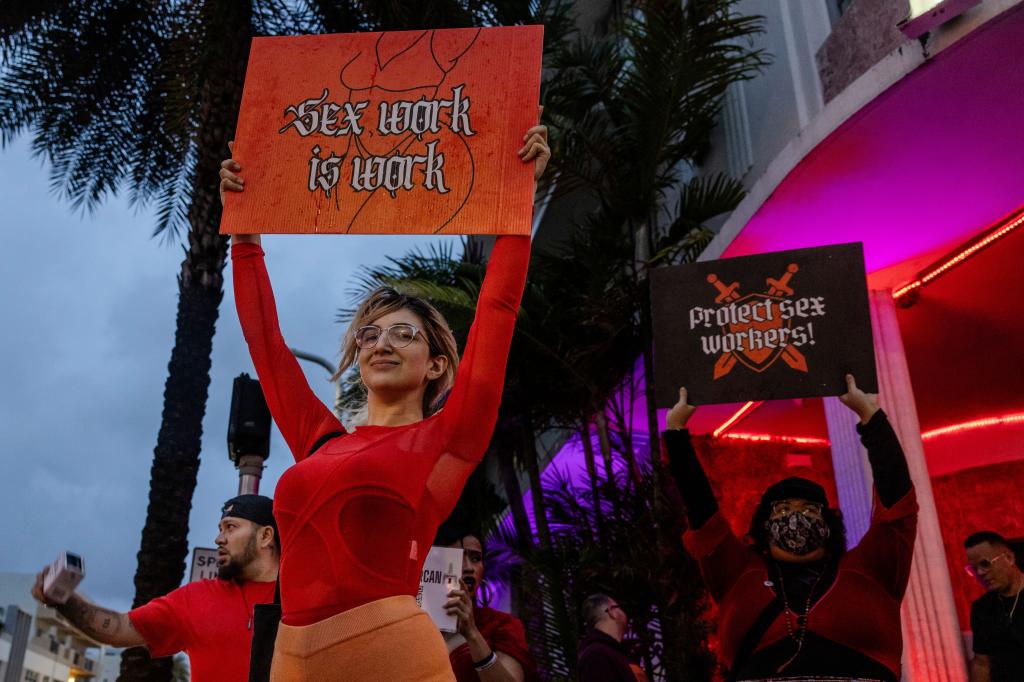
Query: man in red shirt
{"type": "Point", "coordinates": [210, 620]}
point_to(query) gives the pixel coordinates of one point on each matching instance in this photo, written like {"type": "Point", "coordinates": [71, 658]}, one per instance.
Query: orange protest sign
{"type": "Point", "coordinates": [398, 132]}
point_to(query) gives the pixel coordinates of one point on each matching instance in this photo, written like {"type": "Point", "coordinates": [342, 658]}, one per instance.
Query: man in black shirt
{"type": "Point", "coordinates": [601, 656]}
{"type": "Point", "coordinates": [997, 618]}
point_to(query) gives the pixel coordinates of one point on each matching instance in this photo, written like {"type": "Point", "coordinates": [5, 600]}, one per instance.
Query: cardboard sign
{"type": "Point", "coordinates": [789, 324]}
{"type": "Point", "coordinates": [400, 132]}
{"type": "Point", "coordinates": [441, 572]}
{"type": "Point", "coordinates": [204, 564]}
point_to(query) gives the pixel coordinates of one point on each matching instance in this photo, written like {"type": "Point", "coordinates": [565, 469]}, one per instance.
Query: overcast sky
{"type": "Point", "coordinates": [87, 307]}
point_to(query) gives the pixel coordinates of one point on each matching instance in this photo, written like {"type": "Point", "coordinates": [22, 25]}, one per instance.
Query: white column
{"type": "Point", "coordinates": [852, 469]}
{"type": "Point", "coordinates": [932, 646]}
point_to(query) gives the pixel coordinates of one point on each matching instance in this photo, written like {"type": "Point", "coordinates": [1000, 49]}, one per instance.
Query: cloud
{"type": "Point", "coordinates": [88, 312]}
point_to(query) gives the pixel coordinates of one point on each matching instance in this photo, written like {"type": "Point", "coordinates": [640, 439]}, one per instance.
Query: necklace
{"type": "Point", "coordinates": [245, 605]}
{"type": "Point", "coordinates": [1015, 600]}
{"type": "Point", "coordinates": [801, 619]}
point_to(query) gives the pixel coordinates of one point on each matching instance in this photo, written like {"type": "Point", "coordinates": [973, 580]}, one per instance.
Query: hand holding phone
{"type": "Point", "coordinates": [63, 577]}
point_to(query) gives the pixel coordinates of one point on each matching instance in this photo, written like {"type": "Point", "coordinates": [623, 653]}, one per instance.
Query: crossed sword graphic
{"type": "Point", "coordinates": [727, 293]}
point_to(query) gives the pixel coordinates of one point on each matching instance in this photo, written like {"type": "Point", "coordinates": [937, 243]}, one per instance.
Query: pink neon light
{"type": "Point", "coordinates": [740, 413]}
{"type": "Point", "coordinates": [772, 438]}
{"type": "Point", "coordinates": [974, 424]}
{"type": "Point", "coordinates": [966, 253]}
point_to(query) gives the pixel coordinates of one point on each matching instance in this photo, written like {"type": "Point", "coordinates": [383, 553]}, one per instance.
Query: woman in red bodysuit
{"type": "Point", "coordinates": [358, 510]}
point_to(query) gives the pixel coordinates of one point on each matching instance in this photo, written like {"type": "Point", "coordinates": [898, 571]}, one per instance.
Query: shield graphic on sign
{"type": "Point", "coordinates": [759, 359]}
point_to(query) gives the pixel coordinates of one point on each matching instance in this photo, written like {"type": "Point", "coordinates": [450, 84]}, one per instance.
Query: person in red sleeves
{"type": "Point", "coordinates": [793, 603]}
{"type": "Point", "coordinates": [210, 620]}
{"type": "Point", "coordinates": [358, 510]}
{"type": "Point", "coordinates": [490, 645]}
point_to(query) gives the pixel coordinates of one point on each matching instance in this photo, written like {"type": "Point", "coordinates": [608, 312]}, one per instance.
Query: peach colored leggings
{"type": "Point", "coordinates": [387, 639]}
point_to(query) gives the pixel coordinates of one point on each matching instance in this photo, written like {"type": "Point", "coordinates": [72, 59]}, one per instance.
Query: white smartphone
{"type": "Point", "coordinates": [63, 577]}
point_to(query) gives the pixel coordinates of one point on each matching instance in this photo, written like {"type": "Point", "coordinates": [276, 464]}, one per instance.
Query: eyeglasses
{"type": "Point", "coordinates": [398, 335]}
{"type": "Point", "coordinates": [983, 566]}
{"type": "Point", "coordinates": [805, 508]}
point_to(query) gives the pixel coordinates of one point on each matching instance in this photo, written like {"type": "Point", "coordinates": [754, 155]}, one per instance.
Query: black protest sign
{"type": "Point", "coordinates": [789, 324]}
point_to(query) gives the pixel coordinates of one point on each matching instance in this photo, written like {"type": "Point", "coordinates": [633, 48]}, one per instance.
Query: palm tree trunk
{"type": "Point", "coordinates": [588, 455]}
{"type": "Point", "coordinates": [666, 544]}
{"type": "Point", "coordinates": [555, 580]}
{"type": "Point", "coordinates": [164, 547]}
{"type": "Point", "coordinates": [513, 493]}
{"type": "Point", "coordinates": [601, 422]}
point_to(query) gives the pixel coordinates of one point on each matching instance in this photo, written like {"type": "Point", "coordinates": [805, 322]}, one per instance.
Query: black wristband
{"type": "Point", "coordinates": [488, 661]}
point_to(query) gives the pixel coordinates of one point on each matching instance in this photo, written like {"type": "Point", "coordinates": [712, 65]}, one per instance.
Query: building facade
{"type": "Point", "coordinates": [894, 123]}
{"type": "Point", "coordinates": [54, 651]}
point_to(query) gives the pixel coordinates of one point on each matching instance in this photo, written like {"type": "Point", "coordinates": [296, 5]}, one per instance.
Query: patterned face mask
{"type": "Point", "coordinates": [796, 533]}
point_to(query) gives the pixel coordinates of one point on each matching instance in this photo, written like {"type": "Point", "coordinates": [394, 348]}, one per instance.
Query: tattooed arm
{"type": "Point", "coordinates": [103, 625]}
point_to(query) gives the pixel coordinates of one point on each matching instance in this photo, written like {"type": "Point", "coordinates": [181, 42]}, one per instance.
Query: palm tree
{"type": "Point", "coordinates": [632, 112]}
{"type": "Point", "coordinates": [143, 97]}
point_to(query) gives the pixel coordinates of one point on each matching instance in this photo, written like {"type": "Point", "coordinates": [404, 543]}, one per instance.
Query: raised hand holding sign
{"type": "Point", "coordinates": [776, 325]}
{"type": "Point", "coordinates": [397, 132]}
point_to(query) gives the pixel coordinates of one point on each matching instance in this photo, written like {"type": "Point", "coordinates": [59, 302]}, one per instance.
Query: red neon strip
{"type": "Point", "coordinates": [771, 438]}
{"type": "Point", "coordinates": [974, 424]}
{"type": "Point", "coordinates": [956, 259]}
{"type": "Point", "coordinates": [740, 413]}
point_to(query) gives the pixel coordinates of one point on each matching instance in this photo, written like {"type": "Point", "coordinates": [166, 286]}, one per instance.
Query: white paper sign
{"type": "Point", "coordinates": [204, 564]}
{"type": "Point", "coordinates": [440, 575]}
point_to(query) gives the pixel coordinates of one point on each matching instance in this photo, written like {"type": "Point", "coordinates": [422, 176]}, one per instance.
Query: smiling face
{"type": "Point", "coordinates": [393, 372]}
{"type": "Point", "coordinates": [426, 365]}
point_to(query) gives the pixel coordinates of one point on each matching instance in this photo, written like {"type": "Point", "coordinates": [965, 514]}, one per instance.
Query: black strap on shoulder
{"type": "Point", "coordinates": [322, 440]}
{"type": "Point", "coordinates": [265, 619]}
{"type": "Point", "coordinates": [754, 635]}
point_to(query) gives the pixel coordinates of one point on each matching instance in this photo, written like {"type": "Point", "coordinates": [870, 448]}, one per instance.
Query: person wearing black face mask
{"type": "Point", "coordinates": [794, 604]}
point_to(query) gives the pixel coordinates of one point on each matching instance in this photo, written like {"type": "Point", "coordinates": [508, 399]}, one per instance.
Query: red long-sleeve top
{"type": "Point", "coordinates": [358, 516]}
{"type": "Point", "coordinates": [861, 610]}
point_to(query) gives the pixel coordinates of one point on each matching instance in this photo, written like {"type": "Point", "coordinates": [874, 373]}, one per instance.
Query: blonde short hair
{"type": "Point", "coordinates": [440, 340]}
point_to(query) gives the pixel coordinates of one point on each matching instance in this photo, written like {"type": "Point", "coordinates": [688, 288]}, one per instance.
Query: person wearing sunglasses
{"type": "Point", "coordinates": [358, 510]}
{"type": "Point", "coordinates": [793, 603]}
{"type": "Point", "coordinates": [997, 617]}
{"type": "Point", "coordinates": [601, 656]}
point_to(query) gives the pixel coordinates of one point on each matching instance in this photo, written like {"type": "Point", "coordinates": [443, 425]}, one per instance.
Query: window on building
{"type": "Point", "coordinates": [31, 676]}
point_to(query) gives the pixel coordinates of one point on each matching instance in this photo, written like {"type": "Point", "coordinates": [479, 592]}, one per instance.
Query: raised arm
{"type": "Point", "coordinates": [299, 414]}
{"type": "Point", "coordinates": [469, 415]}
{"type": "Point", "coordinates": [689, 476]}
{"type": "Point", "coordinates": [472, 407]}
{"type": "Point", "coordinates": [104, 625]}
{"type": "Point", "coordinates": [887, 549]}
{"type": "Point", "coordinates": [888, 463]}
{"type": "Point", "coordinates": [722, 556]}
